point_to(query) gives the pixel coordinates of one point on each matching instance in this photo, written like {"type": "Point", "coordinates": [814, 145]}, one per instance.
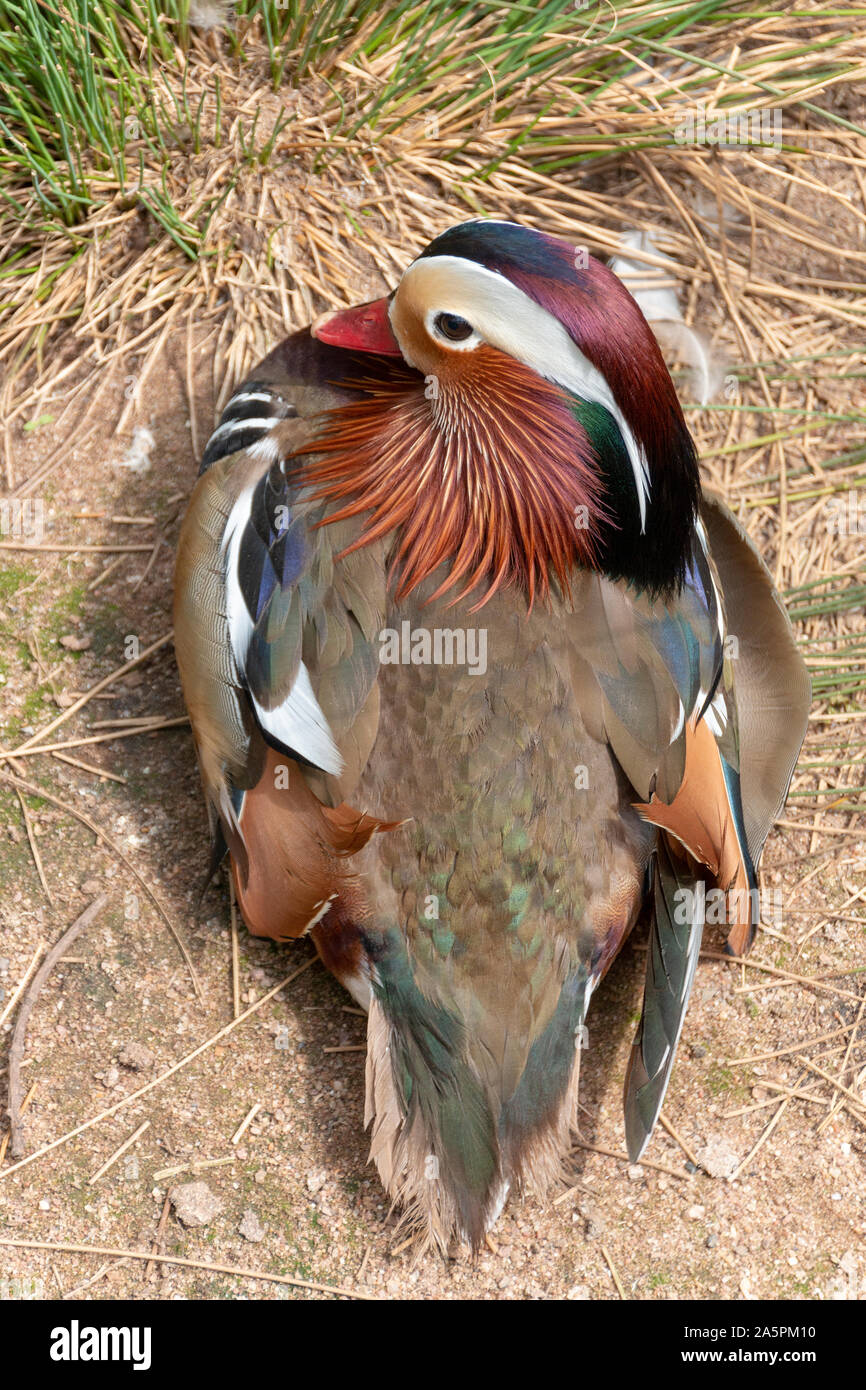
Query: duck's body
{"type": "Point", "coordinates": [467, 797]}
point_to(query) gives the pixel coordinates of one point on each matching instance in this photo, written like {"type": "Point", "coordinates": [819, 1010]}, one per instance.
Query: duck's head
{"type": "Point", "coordinates": [536, 429]}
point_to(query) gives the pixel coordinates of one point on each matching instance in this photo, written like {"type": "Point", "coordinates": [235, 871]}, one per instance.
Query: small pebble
{"type": "Point", "coordinates": [251, 1227]}
{"type": "Point", "coordinates": [194, 1203]}
{"type": "Point", "coordinates": [718, 1158]}
{"type": "Point", "coordinates": [136, 1056]}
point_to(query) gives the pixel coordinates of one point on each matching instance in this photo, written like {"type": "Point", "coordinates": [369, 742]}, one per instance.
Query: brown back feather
{"type": "Point", "coordinates": [297, 851]}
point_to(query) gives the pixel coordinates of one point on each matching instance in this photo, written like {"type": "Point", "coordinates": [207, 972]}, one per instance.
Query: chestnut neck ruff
{"type": "Point", "coordinates": [485, 467]}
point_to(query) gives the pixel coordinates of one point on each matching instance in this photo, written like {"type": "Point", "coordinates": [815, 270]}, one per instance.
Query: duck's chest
{"type": "Point", "coordinates": [514, 809]}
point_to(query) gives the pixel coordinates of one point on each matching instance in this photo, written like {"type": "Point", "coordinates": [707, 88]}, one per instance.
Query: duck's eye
{"type": "Point", "coordinates": [453, 327]}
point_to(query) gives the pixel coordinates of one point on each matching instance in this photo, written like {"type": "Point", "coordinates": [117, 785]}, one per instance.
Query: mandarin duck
{"type": "Point", "coordinates": [475, 674]}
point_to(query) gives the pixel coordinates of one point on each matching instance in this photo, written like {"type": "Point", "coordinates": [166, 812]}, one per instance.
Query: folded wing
{"type": "Point", "coordinates": [704, 703]}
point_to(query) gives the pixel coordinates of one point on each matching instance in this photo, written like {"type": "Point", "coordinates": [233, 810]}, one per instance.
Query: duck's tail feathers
{"type": "Point", "coordinates": [672, 958]}
{"type": "Point", "coordinates": [449, 1146]}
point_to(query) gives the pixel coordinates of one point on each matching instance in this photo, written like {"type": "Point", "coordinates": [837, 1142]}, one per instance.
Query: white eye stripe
{"type": "Point", "coordinates": [507, 318]}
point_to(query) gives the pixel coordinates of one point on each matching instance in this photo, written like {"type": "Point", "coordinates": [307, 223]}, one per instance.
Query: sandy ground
{"type": "Point", "coordinates": [294, 1196]}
